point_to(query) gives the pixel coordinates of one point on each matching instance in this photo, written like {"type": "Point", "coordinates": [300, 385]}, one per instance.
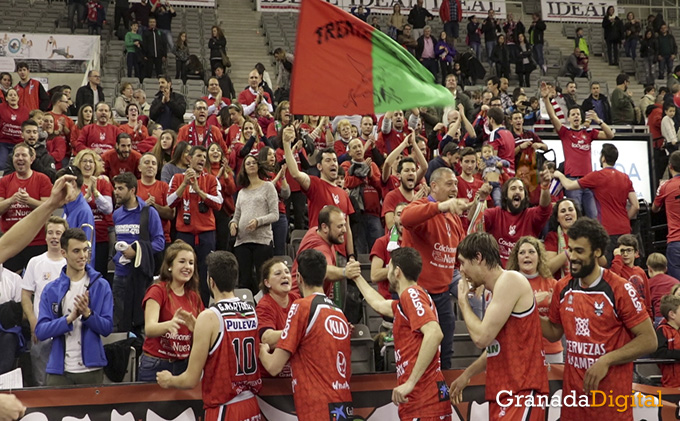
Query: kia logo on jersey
{"type": "Point", "coordinates": [336, 327]}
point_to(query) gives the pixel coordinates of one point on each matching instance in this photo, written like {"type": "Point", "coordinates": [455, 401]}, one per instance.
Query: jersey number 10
{"type": "Point", "coordinates": [246, 362]}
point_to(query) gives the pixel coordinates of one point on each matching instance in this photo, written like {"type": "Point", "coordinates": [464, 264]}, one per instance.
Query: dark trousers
{"type": "Point", "coordinates": [68, 379]}
{"type": "Point", "coordinates": [431, 65]}
{"type": "Point", "coordinates": [299, 202]}
{"type": "Point", "coordinates": [613, 52]}
{"type": "Point", "coordinates": [524, 79]}
{"type": "Point", "coordinates": [101, 259]}
{"type": "Point", "coordinates": [153, 63]}
{"type": "Point", "coordinates": [121, 13]}
{"type": "Point", "coordinates": [77, 11]}
{"type": "Point", "coordinates": [221, 229]}
{"type": "Point", "coordinates": [249, 256]}
{"type": "Point", "coordinates": [133, 64]}
{"type": "Point", "coordinates": [447, 322]}
{"type": "Point", "coordinates": [280, 229]}
{"type": "Point", "coordinates": [203, 244]}
{"type": "Point", "coordinates": [181, 70]}
{"type": "Point", "coordinates": [8, 351]}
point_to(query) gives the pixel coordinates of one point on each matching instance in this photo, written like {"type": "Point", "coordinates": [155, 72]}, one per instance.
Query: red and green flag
{"type": "Point", "coordinates": [345, 66]}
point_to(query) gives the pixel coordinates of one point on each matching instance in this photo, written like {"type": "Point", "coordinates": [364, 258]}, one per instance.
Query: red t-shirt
{"type": "Point", "coordinates": [102, 222]}
{"type": "Point", "coordinates": [636, 276]}
{"type": "Point", "coordinates": [541, 284]}
{"type": "Point", "coordinates": [231, 367]}
{"type": "Point", "coordinates": [70, 124]}
{"type": "Point", "coordinates": [94, 136]}
{"type": "Point", "coordinates": [391, 200]}
{"type": "Point", "coordinates": [10, 123]}
{"type": "Point", "coordinates": [515, 358]}
{"type": "Point", "coordinates": [292, 182]}
{"type": "Point", "coordinates": [429, 398]}
{"type": "Point", "coordinates": [436, 236]}
{"type": "Point", "coordinates": [137, 137]}
{"type": "Point", "coordinates": [503, 142]}
{"type": "Point", "coordinates": [246, 97]}
{"type": "Point", "coordinates": [660, 285]}
{"type": "Point", "coordinates": [113, 165]}
{"type": "Point", "coordinates": [388, 142]}
{"type": "Point", "coordinates": [392, 183]}
{"type": "Point", "coordinates": [576, 147]}
{"type": "Point", "coordinates": [321, 358]}
{"type": "Point", "coordinates": [159, 191]}
{"type": "Point", "coordinates": [666, 196]}
{"type": "Point", "coordinates": [596, 320]}
{"type": "Point", "coordinates": [341, 147]}
{"type": "Point", "coordinates": [320, 194]}
{"type": "Point", "coordinates": [551, 244]}
{"type": "Point", "coordinates": [173, 346]}
{"type": "Point", "coordinates": [371, 186]}
{"type": "Point", "coordinates": [57, 148]}
{"type": "Point", "coordinates": [670, 336]}
{"type": "Point", "coordinates": [38, 185]}
{"type": "Point", "coordinates": [610, 188]}
{"type": "Point", "coordinates": [312, 240]}
{"type": "Point", "coordinates": [270, 315]}
{"type": "Point", "coordinates": [380, 250]}
{"type": "Point", "coordinates": [507, 228]}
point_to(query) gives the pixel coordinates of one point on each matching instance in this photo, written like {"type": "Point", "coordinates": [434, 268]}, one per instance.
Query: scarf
{"type": "Point", "coordinates": [393, 244]}
{"type": "Point", "coordinates": [192, 136]}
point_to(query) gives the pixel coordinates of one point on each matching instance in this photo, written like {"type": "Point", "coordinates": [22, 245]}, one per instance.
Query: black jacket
{"type": "Point", "coordinates": [536, 31]}
{"type": "Point", "coordinates": [588, 105]}
{"type": "Point", "coordinates": [490, 28]}
{"type": "Point", "coordinates": [170, 115]}
{"type": "Point", "coordinates": [418, 17]}
{"type": "Point", "coordinates": [85, 95]}
{"type": "Point", "coordinates": [43, 162]}
{"type": "Point", "coordinates": [160, 49]}
{"type": "Point", "coordinates": [613, 30]}
{"type": "Point", "coordinates": [421, 47]}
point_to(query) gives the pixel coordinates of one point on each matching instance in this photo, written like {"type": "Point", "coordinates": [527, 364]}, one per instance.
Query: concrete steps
{"type": "Point", "coordinates": [245, 41]}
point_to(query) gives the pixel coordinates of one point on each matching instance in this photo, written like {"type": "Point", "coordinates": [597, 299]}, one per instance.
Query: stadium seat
{"type": "Point", "coordinates": [246, 295]}
{"type": "Point", "coordinates": [287, 259]}
{"type": "Point", "coordinates": [390, 362]}
{"type": "Point", "coordinates": [295, 240]}
{"type": "Point", "coordinates": [363, 359]}
{"type": "Point", "coordinates": [372, 319]}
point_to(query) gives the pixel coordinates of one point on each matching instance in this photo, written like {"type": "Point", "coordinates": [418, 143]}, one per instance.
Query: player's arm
{"type": "Point", "coordinates": [205, 332]}
{"type": "Point", "coordinates": [551, 331]}
{"type": "Point", "coordinates": [457, 386]}
{"type": "Point", "coordinates": [655, 208]}
{"type": "Point", "coordinates": [271, 337]}
{"type": "Point", "coordinates": [644, 342]}
{"type": "Point", "coordinates": [483, 332]}
{"type": "Point", "coordinates": [275, 361]}
{"type": "Point", "coordinates": [566, 182]}
{"type": "Point", "coordinates": [288, 135]}
{"type": "Point", "coordinates": [375, 300]}
{"type": "Point", "coordinates": [634, 205]}
{"type": "Point", "coordinates": [432, 337]}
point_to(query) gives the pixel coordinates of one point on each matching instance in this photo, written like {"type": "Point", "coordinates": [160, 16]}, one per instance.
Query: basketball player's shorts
{"type": "Point", "coordinates": [244, 410]}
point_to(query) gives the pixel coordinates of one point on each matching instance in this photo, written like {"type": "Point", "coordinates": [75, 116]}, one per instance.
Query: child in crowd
{"type": "Point", "coordinates": [37, 116]}
{"type": "Point", "coordinates": [668, 339]}
{"type": "Point", "coordinates": [96, 17]}
{"type": "Point", "coordinates": [491, 172]}
{"type": "Point", "coordinates": [660, 283]}
{"type": "Point", "coordinates": [668, 131]}
{"type": "Point", "coordinates": [624, 266]}
{"type": "Point", "coordinates": [264, 117]}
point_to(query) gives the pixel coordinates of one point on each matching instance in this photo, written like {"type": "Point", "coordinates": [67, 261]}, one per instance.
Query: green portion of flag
{"type": "Point", "coordinates": [399, 81]}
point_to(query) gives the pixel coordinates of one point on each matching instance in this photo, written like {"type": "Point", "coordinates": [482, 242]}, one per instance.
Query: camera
{"type": "Point", "coordinates": [202, 207]}
{"type": "Point", "coordinates": [186, 218]}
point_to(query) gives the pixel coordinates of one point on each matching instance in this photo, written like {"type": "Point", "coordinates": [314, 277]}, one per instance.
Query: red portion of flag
{"type": "Point", "coordinates": [333, 67]}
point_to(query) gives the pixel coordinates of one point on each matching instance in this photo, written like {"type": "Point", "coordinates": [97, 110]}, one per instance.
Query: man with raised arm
{"type": "Point", "coordinates": [514, 359]}
{"type": "Point", "coordinates": [422, 392]}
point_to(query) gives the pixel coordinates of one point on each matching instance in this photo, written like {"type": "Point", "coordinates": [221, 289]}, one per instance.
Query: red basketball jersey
{"type": "Point", "coordinates": [231, 368]}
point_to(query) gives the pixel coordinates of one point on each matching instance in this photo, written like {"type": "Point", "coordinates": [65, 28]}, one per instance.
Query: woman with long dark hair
{"type": "Point", "coordinates": [277, 175]}
{"type": "Point", "coordinates": [179, 162]}
{"type": "Point", "coordinates": [219, 167]}
{"type": "Point", "coordinates": [218, 46]}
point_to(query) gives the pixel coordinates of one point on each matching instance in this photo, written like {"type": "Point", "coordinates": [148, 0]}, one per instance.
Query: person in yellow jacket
{"type": "Point", "coordinates": [580, 42]}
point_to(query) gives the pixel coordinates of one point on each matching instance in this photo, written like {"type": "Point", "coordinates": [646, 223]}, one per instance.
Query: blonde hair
{"type": "Point", "coordinates": [657, 262]}
{"type": "Point", "coordinates": [98, 168]}
{"type": "Point", "coordinates": [542, 267]}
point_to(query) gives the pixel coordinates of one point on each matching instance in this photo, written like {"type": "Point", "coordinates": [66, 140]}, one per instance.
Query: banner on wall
{"type": "Point", "coordinates": [190, 3]}
{"type": "Point", "coordinates": [575, 10]}
{"type": "Point", "coordinates": [371, 394]}
{"type": "Point", "coordinates": [49, 53]}
{"type": "Point", "coordinates": [470, 7]}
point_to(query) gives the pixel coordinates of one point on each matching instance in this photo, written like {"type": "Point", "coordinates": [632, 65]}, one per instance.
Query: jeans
{"type": "Point", "coordinates": [477, 47]}
{"type": "Point", "coordinates": [447, 322]}
{"type": "Point", "coordinates": [431, 65]}
{"type": "Point", "coordinates": [5, 151]}
{"type": "Point", "coordinates": [613, 52]}
{"type": "Point", "coordinates": [74, 7]}
{"type": "Point", "coordinates": [585, 198]}
{"type": "Point", "coordinates": [280, 229]}
{"type": "Point", "coordinates": [451, 29]}
{"type": "Point", "coordinates": [650, 60]}
{"type": "Point", "coordinates": [630, 47]}
{"type": "Point", "coordinates": [168, 38]}
{"type": "Point", "coordinates": [489, 49]}
{"type": "Point", "coordinates": [673, 257]}
{"type": "Point", "coordinates": [133, 64]}
{"type": "Point", "coordinates": [496, 193]}
{"type": "Point", "coordinates": [665, 65]}
{"type": "Point", "coordinates": [149, 366]}
{"type": "Point", "coordinates": [205, 245]}
{"type": "Point", "coordinates": [251, 256]}
{"type": "Point", "coordinates": [538, 54]}
{"type": "Point", "coordinates": [40, 354]}
{"type": "Point", "coordinates": [365, 231]}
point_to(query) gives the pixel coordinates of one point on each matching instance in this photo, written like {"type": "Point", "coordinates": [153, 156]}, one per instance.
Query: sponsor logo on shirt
{"type": "Point", "coordinates": [417, 303]}
{"type": "Point", "coordinates": [291, 313]}
{"type": "Point", "coordinates": [336, 327]}
{"type": "Point", "coordinates": [493, 349]}
{"type": "Point", "coordinates": [633, 296]}
{"type": "Point", "coordinates": [234, 325]}
{"type": "Point", "coordinates": [341, 365]}
{"type": "Point", "coordinates": [127, 229]}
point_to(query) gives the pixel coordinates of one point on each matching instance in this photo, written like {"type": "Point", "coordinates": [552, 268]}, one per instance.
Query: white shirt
{"type": "Point", "coordinates": [10, 286]}
{"type": "Point", "coordinates": [40, 271]}
{"type": "Point", "coordinates": [73, 359]}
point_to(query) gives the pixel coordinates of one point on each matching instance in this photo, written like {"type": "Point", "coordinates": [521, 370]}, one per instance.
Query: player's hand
{"type": "Point", "coordinates": [163, 378]}
{"type": "Point", "coordinates": [352, 270]}
{"type": "Point", "coordinates": [264, 348]}
{"type": "Point", "coordinates": [129, 253]}
{"type": "Point", "coordinates": [11, 408]}
{"type": "Point", "coordinates": [399, 393]}
{"type": "Point", "coordinates": [189, 176]}
{"type": "Point", "coordinates": [456, 389]}
{"type": "Point", "coordinates": [595, 374]}
{"type": "Point", "coordinates": [453, 205]}
{"type": "Point", "coordinates": [82, 303]}
{"type": "Point", "coordinates": [188, 319]}
{"type": "Point", "coordinates": [463, 291]}
{"type": "Point", "coordinates": [484, 191]}
{"type": "Point", "coordinates": [423, 192]}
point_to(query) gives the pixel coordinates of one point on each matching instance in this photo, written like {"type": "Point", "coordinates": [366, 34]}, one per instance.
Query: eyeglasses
{"type": "Point", "coordinates": [627, 251]}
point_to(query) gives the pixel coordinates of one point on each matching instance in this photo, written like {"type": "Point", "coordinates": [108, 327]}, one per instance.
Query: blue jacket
{"type": "Point", "coordinates": [78, 213]}
{"type": "Point", "coordinates": [126, 224]}
{"type": "Point", "coordinates": [52, 322]}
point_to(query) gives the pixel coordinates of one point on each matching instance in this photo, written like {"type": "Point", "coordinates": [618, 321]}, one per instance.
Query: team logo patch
{"type": "Point", "coordinates": [47, 276]}
{"type": "Point", "coordinates": [512, 230]}
{"type": "Point", "coordinates": [55, 308]}
{"type": "Point", "coordinates": [341, 364]}
{"type": "Point", "coordinates": [443, 391]}
{"type": "Point", "coordinates": [599, 308]}
{"type": "Point", "coordinates": [338, 411]}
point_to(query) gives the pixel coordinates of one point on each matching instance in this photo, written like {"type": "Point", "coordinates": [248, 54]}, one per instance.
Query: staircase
{"type": "Point", "coordinates": [245, 41]}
